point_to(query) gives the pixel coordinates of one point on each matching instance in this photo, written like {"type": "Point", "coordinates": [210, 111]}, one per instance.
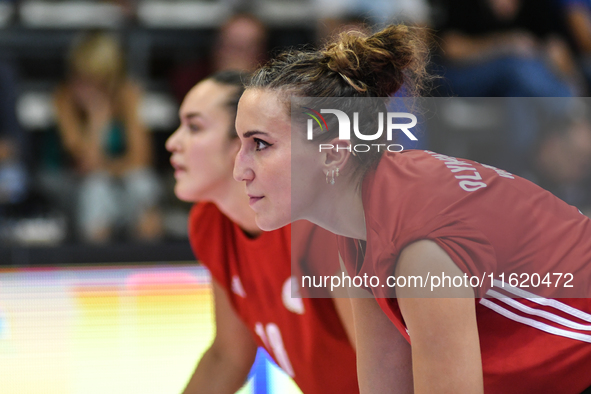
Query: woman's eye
{"type": "Point", "coordinates": [260, 144]}
{"type": "Point", "coordinates": [194, 128]}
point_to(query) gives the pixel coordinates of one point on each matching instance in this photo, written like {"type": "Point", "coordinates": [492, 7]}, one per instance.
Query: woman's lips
{"type": "Point", "coordinates": [254, 199]}
{"type": "Point", "coordinates": [178, 169]}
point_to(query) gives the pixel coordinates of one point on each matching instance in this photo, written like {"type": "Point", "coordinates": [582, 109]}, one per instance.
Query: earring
{"type": "Point", "coordinates": [332, 180]}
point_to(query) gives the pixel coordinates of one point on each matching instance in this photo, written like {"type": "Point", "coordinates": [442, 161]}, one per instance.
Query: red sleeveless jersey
{"type": "Point", "coordinates": [304, 336]}
{"type": "Point", "coordinates": [492, 224]}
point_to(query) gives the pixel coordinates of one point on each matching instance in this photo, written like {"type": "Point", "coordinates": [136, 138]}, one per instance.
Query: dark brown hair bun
{"type": "Point", "coordinates": [380, 63]}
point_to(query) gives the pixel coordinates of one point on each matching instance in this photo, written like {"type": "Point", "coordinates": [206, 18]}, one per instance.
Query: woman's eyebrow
{"type": "Point", "coordinates": [189, 115]}
{"type": "Point", "coordinates": [254, 132]}
{"type": "Point", "coordinates": [192, 115]}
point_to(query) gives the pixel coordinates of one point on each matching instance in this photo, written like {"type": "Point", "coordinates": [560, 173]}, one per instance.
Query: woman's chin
{"type": "Point", "coordinates": [269, 224]}
{"type": "Point", "coordinates": [185, 195]}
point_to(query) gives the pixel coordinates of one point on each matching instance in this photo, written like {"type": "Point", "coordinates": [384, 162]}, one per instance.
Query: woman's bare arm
{"type": "Point", "coordinates": [345, 312]}
{"type": "Point", "coordinates": [82, 140]}
{"type": "Point", "coordinates": [579, 22]}
{"type": "Point", "coordinates": [342, 304]}
{"type": "Point", "coordinates": [224, 367]}
{"type": "Point", "coordinates": [442, 325]}
{"type": "Point", "coordinates": [464, 48]}
{"type": "Point", "coordinates": [138, 152]}
{"type": "Point", "coordinates": [383, 354]}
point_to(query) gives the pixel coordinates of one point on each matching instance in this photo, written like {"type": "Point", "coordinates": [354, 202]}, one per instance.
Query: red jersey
{"type": "Point", "coordinates": [304, 336]}
{"type": "Point", "coordinates": [492, 224]}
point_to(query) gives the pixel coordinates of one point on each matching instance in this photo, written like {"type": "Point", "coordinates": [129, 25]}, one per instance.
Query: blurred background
{"type": "Point", "coordinates": [93, 242]}
{"type": "Point", "coordinates": [118, 70]}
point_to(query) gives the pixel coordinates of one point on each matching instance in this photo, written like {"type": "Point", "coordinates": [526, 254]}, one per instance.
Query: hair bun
{"type": "Point", "coordinates": [381, 63]}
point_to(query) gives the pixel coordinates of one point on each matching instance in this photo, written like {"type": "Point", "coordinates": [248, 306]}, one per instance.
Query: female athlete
{"type": "Point", "coordinates": [415, 214]}
{"type": "Point", "coordinates": [251, 271]}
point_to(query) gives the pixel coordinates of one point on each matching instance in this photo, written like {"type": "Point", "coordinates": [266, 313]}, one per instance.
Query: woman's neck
{"type": "Point", "coordinates": [233, 202]}
{"type": "Point", "coordinates": [340, 210]}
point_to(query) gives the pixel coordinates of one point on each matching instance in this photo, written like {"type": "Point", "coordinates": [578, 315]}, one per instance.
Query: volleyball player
{"type": "Point", "coordinates": [416, 213]}
{"type": "Point", "coordinates": [251, 270]}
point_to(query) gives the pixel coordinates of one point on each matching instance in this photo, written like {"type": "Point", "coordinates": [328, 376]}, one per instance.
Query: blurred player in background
{"type": "Point", "coordinates": [251, 274]}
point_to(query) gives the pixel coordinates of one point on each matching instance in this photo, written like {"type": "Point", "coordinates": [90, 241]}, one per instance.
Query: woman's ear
{"type": "Point", "coordinates": [338, 155]}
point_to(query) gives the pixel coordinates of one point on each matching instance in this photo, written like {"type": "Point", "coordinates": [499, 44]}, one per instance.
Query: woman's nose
{"type": "Point", "coordinates": [242, 172]}
{"type": "Point", "coordinates": [172, 141]}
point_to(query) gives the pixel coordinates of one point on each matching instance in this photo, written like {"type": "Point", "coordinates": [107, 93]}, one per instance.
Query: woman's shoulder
{"type": "Point", "coordinates": [409, 187]}
{"type": "Point", "coordinates": [128, 97]}
{"type": "Point", "coordinates": [409, 168]}
{"type": "Point", "coordinates": [128, 92]}
{"type": "Point", "coordinates": [63, 92]}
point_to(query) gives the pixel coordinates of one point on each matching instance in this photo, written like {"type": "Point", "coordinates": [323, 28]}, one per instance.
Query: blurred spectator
{"type": "Point", "coordinates": [241, 44]}
{"type": "Point", "coordinates": [578, 17]}
{"type": "Point", "coordinates": [333, 26]}
{"type": "Point", "coordinates": [415, 12]}
{"type": "Point", "coordinates": [97, 113]}
{"type": "Point", "coordinates": [505, 48]}
{"type": "Point", "coordinates": [363, 15]}
{"type": "Point", "coordinates": [128, 7]}
{"type": "Point", "coordinates": [562, 159]}
{"type": "Point", "coordinates": [13, 146]}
